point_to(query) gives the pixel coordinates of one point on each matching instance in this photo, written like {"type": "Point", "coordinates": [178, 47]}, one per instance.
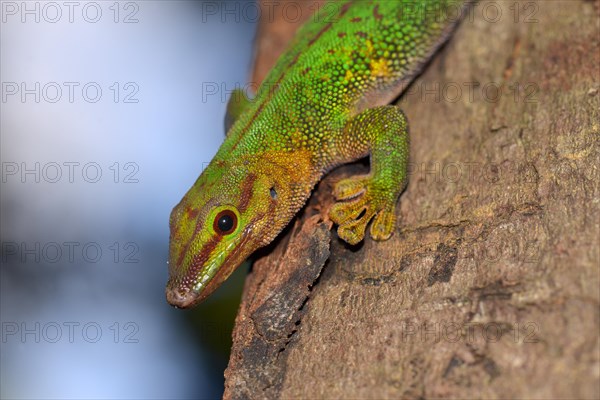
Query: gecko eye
{"type": "Point", "coordinates": [225, 222]}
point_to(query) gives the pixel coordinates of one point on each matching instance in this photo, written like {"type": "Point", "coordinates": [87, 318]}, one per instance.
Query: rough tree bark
{"type": "Point", "coordinates": [489, 287]}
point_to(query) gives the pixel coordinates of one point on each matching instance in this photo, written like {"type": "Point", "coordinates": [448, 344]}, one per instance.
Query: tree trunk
{"type": "Point", "coordinates": [489, 287]}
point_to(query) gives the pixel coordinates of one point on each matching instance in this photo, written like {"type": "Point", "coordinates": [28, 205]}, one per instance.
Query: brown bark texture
{"type": "Point", "coordinates": [489, 288]}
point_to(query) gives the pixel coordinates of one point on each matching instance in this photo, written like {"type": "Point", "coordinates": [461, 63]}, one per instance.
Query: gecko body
{"type": "Point", "coordinates": [325, 103]}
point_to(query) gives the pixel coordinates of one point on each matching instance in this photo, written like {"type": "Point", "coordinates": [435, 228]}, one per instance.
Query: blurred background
{"type": "Point", "coordinates": [109, 112]}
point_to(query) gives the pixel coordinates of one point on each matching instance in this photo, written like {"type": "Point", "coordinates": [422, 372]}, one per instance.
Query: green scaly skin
{"type": "Point", "coordinates": [322, 105]}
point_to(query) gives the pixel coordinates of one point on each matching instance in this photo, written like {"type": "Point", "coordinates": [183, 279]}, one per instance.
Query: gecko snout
{"type": "Point", "coordinates": [180, 298]}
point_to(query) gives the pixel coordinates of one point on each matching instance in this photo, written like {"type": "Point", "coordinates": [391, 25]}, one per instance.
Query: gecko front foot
{"type": "Point", "coordinates": [383, 133]}
{"type": "Point", "coordinates": [360, 199]}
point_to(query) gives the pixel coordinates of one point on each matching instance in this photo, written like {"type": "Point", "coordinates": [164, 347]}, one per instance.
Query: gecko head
{"type": "Point", "coordinates": [228, 214]}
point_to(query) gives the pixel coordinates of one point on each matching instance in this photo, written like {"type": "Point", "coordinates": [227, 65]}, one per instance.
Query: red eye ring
{"type": "Point", "coordinates": [225, 222]}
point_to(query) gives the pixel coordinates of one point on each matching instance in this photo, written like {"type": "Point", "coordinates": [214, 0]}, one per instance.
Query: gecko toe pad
{"type": "Point", "coordinates": [353, 216]}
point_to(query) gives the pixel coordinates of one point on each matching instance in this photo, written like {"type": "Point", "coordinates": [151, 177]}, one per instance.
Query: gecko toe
{"type": "Point", "coordinates": [343, 212]}
{"type": "Point", "coordinates": [350, 188]}
{"type": "Point", "coordinates": [383, 225]}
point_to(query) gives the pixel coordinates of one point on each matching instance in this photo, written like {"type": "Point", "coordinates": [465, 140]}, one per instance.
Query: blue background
{"type": "Point", "coordinates": [95, 323]}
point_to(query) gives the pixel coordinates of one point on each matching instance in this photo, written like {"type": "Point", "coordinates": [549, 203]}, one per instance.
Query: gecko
{"type": "Point", "coordinates": [325, 103]}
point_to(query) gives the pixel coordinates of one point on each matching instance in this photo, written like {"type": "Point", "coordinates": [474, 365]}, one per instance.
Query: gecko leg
{"type": "Point", "coordinates": [381, 132]}
{"type": "Point", "coordinates": [237, 104]}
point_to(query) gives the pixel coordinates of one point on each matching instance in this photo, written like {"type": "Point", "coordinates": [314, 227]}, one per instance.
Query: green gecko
{"type": "Point", "coordinates": [325, 103]}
